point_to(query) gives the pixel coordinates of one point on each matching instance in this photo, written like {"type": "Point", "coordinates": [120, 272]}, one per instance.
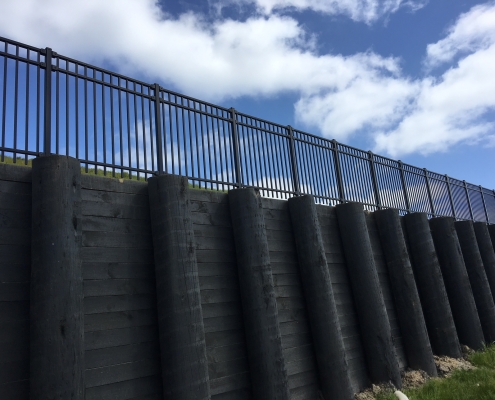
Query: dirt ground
{"type": "Point", "coordinates": [415, 378]}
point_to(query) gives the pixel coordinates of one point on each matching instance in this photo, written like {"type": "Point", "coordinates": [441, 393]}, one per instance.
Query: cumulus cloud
{"type": "Point", "coordinates": [264, 55]}
{"type": "Point", "coordinates": [451, 109]}
{"type": "Point", "coordinates": [269, 54]}
{"type": "Point", "coordinates": [367, 11]}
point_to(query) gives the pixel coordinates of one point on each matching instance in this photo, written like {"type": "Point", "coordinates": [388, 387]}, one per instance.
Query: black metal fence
{"type": "Point", "coordinates": [119, 126]}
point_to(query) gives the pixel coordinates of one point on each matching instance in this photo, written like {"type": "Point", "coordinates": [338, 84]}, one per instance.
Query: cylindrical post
{"type": "Point", "coordinates": [409, 313]}
{"type": "Point", "coordinates": [318, 293]}
{"type": "Point", "coordinates": [381, 357]}
{"type": "Point", "coordinates": [477, 277]}
{"type": "Point", "coordinates": [56, 302]}
{"type": "Point", "coordinates": [487, 253]}
{"type": "Point", "coordinates": [264, 343]}
{"type": "Point", "coordinates": [180, 319]}
{"type": "Point", "coordinates": [158, 129]}
{"type": "Point", "coordinates": [456, 280]}
{"type": "Point", "coordinates": [47, 138]}
{"type": "Point", "coordinates": [431, 287]}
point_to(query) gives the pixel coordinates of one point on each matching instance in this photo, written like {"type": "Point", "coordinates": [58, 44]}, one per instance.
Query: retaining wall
{"type": "Point", "coordinates": [122, 341]}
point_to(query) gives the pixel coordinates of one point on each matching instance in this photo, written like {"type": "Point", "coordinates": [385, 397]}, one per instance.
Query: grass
{"type": "Point", "coordinates": [476, 384]}
{"type": "Point", "coordinates": [100, 172]}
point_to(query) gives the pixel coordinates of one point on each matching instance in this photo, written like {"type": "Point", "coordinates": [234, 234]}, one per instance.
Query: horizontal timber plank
{"type": "Point", "coordinates": [14, 291]}
{"type": "Point", "coordinates": [122, 372]}
{"type": "Point", "coordinates": [12, 371]}
{"type": "Point", "coordinates": [303, 379]}
{"type": "Point", "coordinates": [15, 272]}
{"type": "Point", "coordinates": [18, 390]}
{"type": "Point", "coordinates": [14, 220]}
{"type": "Point", "coordinates": [142, 240]}
{"type": "Point", "coordinates": [15, 202]}
{"type": "Point", "coordinates": [121, 354]}
{"type": "Point", "coordinates": [116, 255]}
{"type": "Point", "coordinates": [211, 196]}
{"type": "Point", "coordinates": [15, 172]}
{"type": "Point", "coordinates": [227, 368]}
{"type": "Point", "coordinates": [242, 394]}
{"type": "Point", "coordinates": [15, 187]}
{"type": "Point", "coordinates": [118, 270]}
{"type": "Point", "coordinates": [221, 309]}
{"type": "Point", "coordinates": [119, 211]}
{"type": "Point", "coordinates": [120, 337]}
{"type": "Point", "coordinates": [130, 199]}
{"type": "Point", "coordinates": [220, 296]}
{"type": "Point", "coordinates": [216, 219]}
{"type": "Point", "coordinates": [108, 224]}
{"type": "Point", "coordinates": [217, 269]}
{"type": "Point", "coordinates": [15, 236]}
{"type": "Point", "coordinates": [117, 287]}
{"type": "Point", "coordinates": [120, 319]}
{"type": "Point", "coordinates": [226, 353]}
{"type": "Point", "coordinates": [126, 390]}
{"type": "Point", "coordinates": [223, 323]}
{"type": "Point", "coordinates": [304, 365]}
{"type": "Point", "coordinates": [225, 338]}
{"type": "Point", "coordinates": [229, 383]}
{"type": "Point", "coordinates": [101, 304]}
{"type": "Point", "coordinates": [109, 184]}
{"type": "Point", "coordinates": [218, 282]}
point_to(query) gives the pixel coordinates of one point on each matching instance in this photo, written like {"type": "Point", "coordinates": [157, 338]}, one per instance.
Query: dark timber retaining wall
{"type": "Point", "coordinates": [122, 355]}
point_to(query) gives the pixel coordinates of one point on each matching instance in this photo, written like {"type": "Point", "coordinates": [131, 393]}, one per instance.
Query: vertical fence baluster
{"type": "Point", "coordinates": [447, 179]}
{"type": "Point", "coordinates": [428, 189]}
{"type": "Point", "coordinates": [338, 170]}
{"type": "Point", "coordinates": [237, 162]}
{"type": "Point", "coordinates": [374, 181]}
{"type": "Point", "coordinates": [293, 161]}
{"type": "Point", "coordinates": [404, 187]}
{"type": "Point", "coordinates": [158, 129]}
{"type": "Point", "coordinates": [468, 200]}
{"type": "Point", "coordinates": [484, 204]}
{"type": "Point", "coordinates": [48, 100]}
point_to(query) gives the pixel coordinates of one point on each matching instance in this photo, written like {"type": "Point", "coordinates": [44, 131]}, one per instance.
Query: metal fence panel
{"type": "Point", "coordinates": [119, 126]}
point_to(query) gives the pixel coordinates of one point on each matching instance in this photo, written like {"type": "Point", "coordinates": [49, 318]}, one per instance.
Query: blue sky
{"type": "Point", "coordinates": [412, 80]}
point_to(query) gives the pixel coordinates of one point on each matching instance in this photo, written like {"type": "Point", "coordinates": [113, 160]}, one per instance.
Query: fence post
{"type": "Point", "coordinates": [484, 204]}
{"type": "Point", "coordinates": [47, 135]}
{"type": "Point", "coordinates": [428, 189]}
{"type": "Point", "coordinates": [338, 171]}
{"type": "Point", "coordinates": [374, 180]}
{"type": "Point", "coordinates": [450, 196]}
{"type": "Point", "coordinates": [404, 188]}
{"type": "Point", "coordinates": [237, 163]}
{"type": "Point", "coordinates": [158, 129]}
{"type": "Point", "coordinates": [293, 161]}
{"type": "Point", "coordinates": [468, 200]}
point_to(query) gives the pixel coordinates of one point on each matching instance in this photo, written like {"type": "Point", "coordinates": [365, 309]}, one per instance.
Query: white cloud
{"type": "Point", "coordinates": [271, 54]}
{"type": "Point", "coordinates": [473, 31]}
{"type": "Point", "coordinates": [367, 11]}
{"type": "Point", "coordinates": [451, 109]}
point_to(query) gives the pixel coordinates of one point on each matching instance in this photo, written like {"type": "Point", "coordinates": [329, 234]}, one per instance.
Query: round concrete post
{"type": "Point", "coordinates": [409, 312]}
{"type": "Point", "coordinates": [56, 310]}
{"type": "Point", "coordinates": [477, 277]}
{"type": "Point", "coordinates": [383, 365]}
{"type": "Point", "coordinates": [318, 293]}
{"type": "Point", "coordinates": [487, 253]}
{"type": "Point", "coordinates": [180, 319]}
{"type": "Point", "coordinates": [431, 287]}
{"type": "Point", "coordinates": [456, 280]}
{"type": "Point", "coordinates": [267, 367]}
